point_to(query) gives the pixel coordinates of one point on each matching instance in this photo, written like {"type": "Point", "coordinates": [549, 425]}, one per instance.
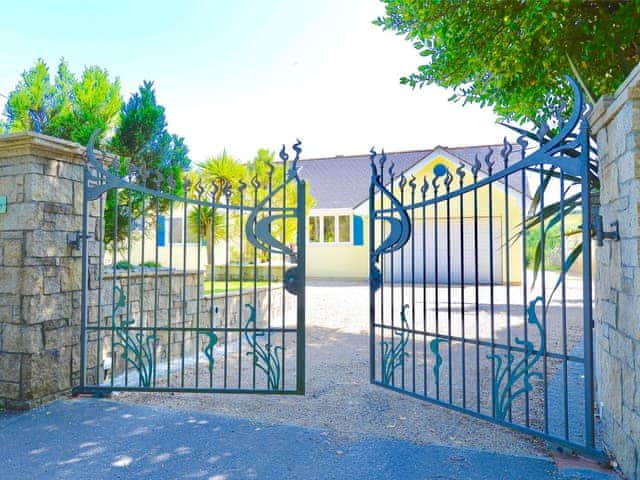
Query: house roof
{"type": "Point", "coordinates": [343, 181]}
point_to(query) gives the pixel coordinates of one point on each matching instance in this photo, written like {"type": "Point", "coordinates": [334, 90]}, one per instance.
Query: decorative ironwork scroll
{"type": "Point", "coordinates": [396, 217]}
{"type": "Point", "coordinates": [394, 354]}
{"type": "Point", "coordinates": [508, 372]}
{"type": "Point", "coordinates": [266, 357]}
{"type": "Point", "coordinates": [138, 350]}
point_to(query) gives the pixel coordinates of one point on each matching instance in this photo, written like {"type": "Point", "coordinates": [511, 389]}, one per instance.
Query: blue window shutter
{"type": "Point", "coordinates": [161, 228]}
{"type": "Point", "coordinates": [358, 230]}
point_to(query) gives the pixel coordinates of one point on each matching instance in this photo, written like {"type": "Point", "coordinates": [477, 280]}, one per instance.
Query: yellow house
{"type": "Point", "coordinates": [338, 225]}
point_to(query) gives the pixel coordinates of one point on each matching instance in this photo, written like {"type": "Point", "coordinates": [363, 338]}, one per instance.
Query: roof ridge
{"type": "Point", "coordinates": [367, 154]}
{"type": "Point", "coordinates": [399, 152]}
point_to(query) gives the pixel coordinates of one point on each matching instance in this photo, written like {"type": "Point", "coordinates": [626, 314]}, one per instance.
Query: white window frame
{"type": "Point", "coordinates": [322, 216]}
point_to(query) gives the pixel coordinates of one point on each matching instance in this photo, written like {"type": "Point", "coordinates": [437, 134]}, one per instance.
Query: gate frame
{"type": "Point", "coordinates": [551, 153]}
{"type": "Point", "coordinates": [257, 232]}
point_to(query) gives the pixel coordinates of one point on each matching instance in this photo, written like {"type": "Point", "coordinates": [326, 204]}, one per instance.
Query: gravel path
{"type": "Point", "coordinates": [339, 398]}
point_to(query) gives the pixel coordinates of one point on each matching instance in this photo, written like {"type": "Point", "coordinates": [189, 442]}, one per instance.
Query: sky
{"type": "Point", "coordinates": [247, 74]}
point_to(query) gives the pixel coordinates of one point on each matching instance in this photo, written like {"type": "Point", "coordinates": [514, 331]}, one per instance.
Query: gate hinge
{"type": "Point", "coordinates": [74, 239]}
{"type": "Point", "coordinates": [601, 235]}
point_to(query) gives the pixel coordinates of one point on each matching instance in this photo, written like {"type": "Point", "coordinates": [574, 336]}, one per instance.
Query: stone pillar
{"type": "Point", "coordinates": [40, 275]}
{"type": "Point", "coordinates": [615, 122]}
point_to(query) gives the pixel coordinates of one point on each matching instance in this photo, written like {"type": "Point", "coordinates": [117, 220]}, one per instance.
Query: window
{"type": "Point", "coordinates": [314, 229]}
{"type": "Point", "coordinates": [330, 229]}
{"type": "Point", "coordinates": [176, 230]}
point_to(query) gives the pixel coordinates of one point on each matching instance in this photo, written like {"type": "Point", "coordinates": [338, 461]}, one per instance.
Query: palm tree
{"type": "Point", "coordinates": [220, 175]}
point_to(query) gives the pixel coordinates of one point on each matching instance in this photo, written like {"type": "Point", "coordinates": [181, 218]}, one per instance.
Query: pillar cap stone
{"type": "Point", "coordinates": [608, 105]}
{"type": "Point", "coordinates": [29, 143]}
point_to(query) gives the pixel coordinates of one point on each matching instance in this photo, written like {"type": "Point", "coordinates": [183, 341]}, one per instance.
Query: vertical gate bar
{"type": "Point", "coordinates": [269, 280]}
{"type": "Point", "coordinates": [586, 285]}
{"type": "Point", "coordinates": [381, 265]}
{"type": "Point", "coordinates": [302, 259]}
{"type": "Point", "coordinates": [462, 306]}
{"type": "Point", "coordinates": [128, 306]}
{"type": "Point", "coordinates": [156, 295]}
{"type": "Point", "coordinates": [491, 292]}
{"type": "Point", "coordinates": [198, 260]}
{"type": "Point", "coordinates": [436, 303]}
{"type": "Point", "coordinates": [212, 271]}
{"type": "Point", "coordinates": [240, 292]}
{"type": "Point", "coordinates": [523, 207]}
{"type": "Point", "coordinates": [401, 184]}
{"type": "Point", "coordinates": [142, 322]}
{"type": "Point", "coordinates": [392, 287]}
{"type": "Point", "coordinates": [507, 270]}
{"type": "Point", "coordinates": [476, 285]}
{"type": "Point", "coordinates": [372, 293]}
{"type": "Point", "coordinates": [255, 281]}
{"type": "Point", "coordinates": [424, 288]}
{"type": "Point", "coordinates": [413, 290]}
{"type": "Point", "coordinates": [449, 257]}
{"type": "Point", "coordinates": [284, 266]}
{"type": "Point", "coordinates": [184, 287]}
{"type": "Point", "coordinates": [544, 304]}
{"type": "Point", "coordinates": [170, 305]}
{"type": "Point", "coordinates": [84, 310]}
{"type": "Point", "coordinates": [113, 287]}
{"type": "Point", "coordinates": [563, 293]}
{"type": "Point", "coordinates": [226, 292]}
{"type": "Point", "coordinates": [101, 228]}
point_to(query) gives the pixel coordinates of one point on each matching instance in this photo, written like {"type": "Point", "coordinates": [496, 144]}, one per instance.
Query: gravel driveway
{"type": "Point", "coordinates": [339, 398]}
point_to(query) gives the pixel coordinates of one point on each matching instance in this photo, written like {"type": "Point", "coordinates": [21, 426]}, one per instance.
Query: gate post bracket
{"type": "Point", "coordinates": [602, 235]}
{"type": "Point", "coordinates": [74, 239]}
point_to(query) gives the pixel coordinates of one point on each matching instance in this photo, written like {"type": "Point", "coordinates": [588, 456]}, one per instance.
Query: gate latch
{"type": "Point", "coordinates": [74, 239]}
{"type": "Point", "coordinates": [601, 235]}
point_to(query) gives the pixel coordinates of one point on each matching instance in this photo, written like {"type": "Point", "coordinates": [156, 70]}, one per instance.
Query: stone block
{"type": "Point", "coordinates": [70, 274]}
{"type": "Point", "coordinates": [45, 188]}
{"type": "Point", "coordinates": [22, 216]}
{"type": "Point", "coordinates": [46, 373]}
{"type": "Point", "coordinates": [18, 338]}
{"type": "Point", "coordinates": [40, 308]}
{"type": "Point", "coordinates": [13, 188]}
{"type": "Point", "coordinates": [12, 253]}
{"type": "Point", "coordinates": [10, 367]}
{"type": "Point", "coordinates": [46, 244]}
{"type": "Point", "coordinates": [10, 279]}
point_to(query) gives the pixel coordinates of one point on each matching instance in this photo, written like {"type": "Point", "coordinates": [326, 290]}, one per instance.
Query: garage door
{"type": "Point", "coordinates": [425, 268]}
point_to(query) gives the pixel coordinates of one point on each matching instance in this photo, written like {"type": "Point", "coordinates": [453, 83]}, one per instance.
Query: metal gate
{"type": "Point", "coordinates": [511, 344]}
{"type": "Point", "coordinates": [193, 287]}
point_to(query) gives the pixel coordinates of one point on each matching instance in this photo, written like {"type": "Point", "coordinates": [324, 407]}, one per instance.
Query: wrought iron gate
{"type": "Point", "coordinates": [193, 288]}
{"type": "Point", "coordinates": [511, 343]}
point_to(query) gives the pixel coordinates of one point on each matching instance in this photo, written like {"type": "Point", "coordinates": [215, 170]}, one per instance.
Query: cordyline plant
{"type": "Point", "coordinates": [549, 215]}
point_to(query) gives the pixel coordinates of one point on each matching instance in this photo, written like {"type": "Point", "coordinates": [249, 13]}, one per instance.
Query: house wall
{"type": "Point", "coordinates": [339, 260]}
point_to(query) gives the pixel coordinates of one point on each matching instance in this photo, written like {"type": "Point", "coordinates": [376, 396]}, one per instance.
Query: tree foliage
{"type": "Point", "coordinates": [68, 108]}
{"type": "Point", "coordinates": [512, 55]}
{"type": "Point", "coordinates": [151, 157]}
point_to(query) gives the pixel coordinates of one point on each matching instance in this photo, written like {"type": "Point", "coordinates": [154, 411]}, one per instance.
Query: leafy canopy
{"type": "Point", "coordinates": [68, 108]}
{"type": "Point", "coordinates": [511, 55]}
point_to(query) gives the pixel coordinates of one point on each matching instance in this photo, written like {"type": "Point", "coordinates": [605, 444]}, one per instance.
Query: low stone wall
{"type": "Point", "coordinates": [169, 301]}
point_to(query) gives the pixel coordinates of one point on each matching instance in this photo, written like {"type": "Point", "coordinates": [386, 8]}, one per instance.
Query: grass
{"type": "Point", "coordinates": [234, 286]}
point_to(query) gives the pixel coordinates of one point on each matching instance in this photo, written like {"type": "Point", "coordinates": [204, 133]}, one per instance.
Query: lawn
{"type": "Point", "coordinates": [219, 286]}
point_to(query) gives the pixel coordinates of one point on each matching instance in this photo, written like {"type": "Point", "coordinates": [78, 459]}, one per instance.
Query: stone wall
{"type": "Point", "coordinates": [39, 273]}
{"type": "Point", "coordinates": [615, 122]}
